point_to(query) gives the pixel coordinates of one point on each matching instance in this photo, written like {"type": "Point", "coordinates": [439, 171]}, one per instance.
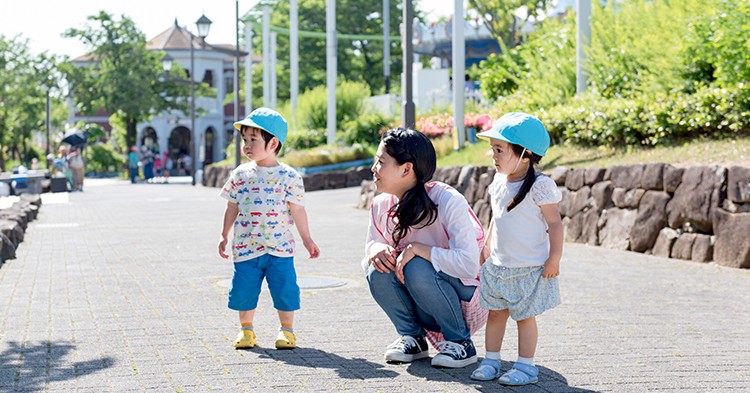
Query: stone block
{"type": "Point", "coordinates": [602, 195]}
{"type": "Point", "coordinates": [615, 226]}
{"type": "Point", "coordinates": [672, 178]}
{"type": "Point", "coordinates": [696, 196]}
{"type": "Point", "coordinates": [732, 243]}
{"type": "Point", "coordinates": [575, 179]}
{"type": "Point", "coordinates": [664, 241]}
{"type": "Point", "coordinates": [650, 220]}
{"type": "Point", "coordinates": [653, 176]}
{"type": "Point", "coordinates": [580, 199]}
{"type": "Point", "coordinates": [465, 174]}
{"type": "Point", "coordinates": [559, 175]}
{"type": "Point", "coordinates": [627, 176]}
{"type": "Point", "coordinates": [703, 248]}
{"type": "Point", "coordinates": [738, 184]}
{"type": "Point", "coordinates": [683, 246]}
{"type": "Point", "coordinates": [594, 175]}
{"type": "Point", "coordinates": [627, 199]}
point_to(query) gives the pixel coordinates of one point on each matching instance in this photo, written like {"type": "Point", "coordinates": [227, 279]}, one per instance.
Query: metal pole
{"type": "Point", "coordinates": [192, 110]}
{"type": "Point", "coordinates": [274, 90]}
{"type": "Point", "coordinates": [408, 115]}
{"type": "Point", "coordinates": [583, 39]}
{"type": "Point", "coordinates": [237, 114]}
{"type": "Point", "coordinates": [293, 57]}
{"type": "Point", "coordinates": [249, 68]}
{"type": "Point", "coordinates": [387, 45]}
{"type": "Point", "coordinates": [46, 125]}
{"type": "Point", "coordinates": [331, 70]}
{"type": "Point", "coordinates": [266, 55]}
{"type": "Point", "coordinates": [459, 58]}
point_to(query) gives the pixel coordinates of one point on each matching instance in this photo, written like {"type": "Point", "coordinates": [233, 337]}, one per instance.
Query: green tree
{"type": "Point", "coordinates": [358, 60]}
{"type": "Point", "coordinates": [25, 80]}
{"type": "Point", "coordinates": [125, 79]}
{"type": "Point", "coordinates": [500, 17]}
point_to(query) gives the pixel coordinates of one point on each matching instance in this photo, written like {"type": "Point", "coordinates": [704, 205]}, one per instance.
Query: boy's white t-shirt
{"type": "Point", "coordinates": [520, 238]}
{"type": "Point", "coordinates": [263, 225]}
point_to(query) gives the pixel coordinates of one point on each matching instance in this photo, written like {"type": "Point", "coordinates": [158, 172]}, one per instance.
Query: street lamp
{"type": "Point", "coordinates": [204, 25]}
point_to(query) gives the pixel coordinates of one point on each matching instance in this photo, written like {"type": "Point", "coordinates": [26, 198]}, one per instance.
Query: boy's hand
{"type": "Point", "coordinates": [311, 247]}
{"type": "Point", "coordinates": [551, 269]}
{"type": "Point", "coordinates": [223, 247]}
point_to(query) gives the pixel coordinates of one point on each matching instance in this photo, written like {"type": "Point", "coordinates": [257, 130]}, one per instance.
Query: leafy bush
{"type": "Point", "coordinates": [313, 104]}
{"type": "Point", "coordinates": [366, 129]}
{"type": "Point", "coordinates": [327, 154]}
{"type": "Point", "coordinates": [102, 158]}
{"type": "Point", "coordinates": [304, 140]}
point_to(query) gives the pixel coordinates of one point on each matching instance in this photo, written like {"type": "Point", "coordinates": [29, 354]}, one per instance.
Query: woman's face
{"type": "Point", "coordinates": [389, 176]}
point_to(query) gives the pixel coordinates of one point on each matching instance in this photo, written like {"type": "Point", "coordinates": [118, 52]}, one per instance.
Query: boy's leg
{"type": "Point", "coordinates": [282, 282]}
{"type": "Point", "coordinates": [243, 297]}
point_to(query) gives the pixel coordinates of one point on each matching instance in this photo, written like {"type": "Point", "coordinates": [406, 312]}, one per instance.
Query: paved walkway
{"type": "Point", "coordinates": [120, 288]}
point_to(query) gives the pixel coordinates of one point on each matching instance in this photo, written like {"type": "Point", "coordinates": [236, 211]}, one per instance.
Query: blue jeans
{"type": "Point", "coordinates": [133, 174]}
{"type": "Point", "coordinates": [428, 300]}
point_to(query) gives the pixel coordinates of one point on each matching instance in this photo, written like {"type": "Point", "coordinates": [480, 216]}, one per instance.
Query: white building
{"type": "Point", "coordinates": [214, 65]}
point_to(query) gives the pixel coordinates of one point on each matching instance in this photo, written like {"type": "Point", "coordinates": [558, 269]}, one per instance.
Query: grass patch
{"type": "Point", "coordinates": [701, 151]}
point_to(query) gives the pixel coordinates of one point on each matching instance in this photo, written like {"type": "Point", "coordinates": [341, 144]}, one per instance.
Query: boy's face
{"type": "Point", "coordinates": [254, 146]}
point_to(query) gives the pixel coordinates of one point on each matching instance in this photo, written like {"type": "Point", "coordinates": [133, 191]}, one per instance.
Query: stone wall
{"type": "Point", "coordinates": [13, 223]}
{"type": "Point", "coordinates": [217, 176]}
{"type": "Point", "coordinates": [699, 213]}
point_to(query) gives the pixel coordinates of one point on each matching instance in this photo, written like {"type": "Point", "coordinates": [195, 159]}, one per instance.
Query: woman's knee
{"type": "Point", "coordinates": [420, 275]}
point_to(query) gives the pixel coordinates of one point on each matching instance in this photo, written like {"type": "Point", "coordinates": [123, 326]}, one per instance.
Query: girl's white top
{"type": "Point", "coordinates": [454, 236]}
{"type": "Point", "coordinates": [520, 237]}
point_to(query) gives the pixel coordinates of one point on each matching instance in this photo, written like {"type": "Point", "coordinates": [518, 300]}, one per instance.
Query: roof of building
{"type": "Point", "coordinates": [177, 37]}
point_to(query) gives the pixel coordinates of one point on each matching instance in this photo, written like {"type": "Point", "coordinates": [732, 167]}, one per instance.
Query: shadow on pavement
{"type": "Point", "coordinates": [31, 367]}
{"type": "Point", "coordinates": [549, 380]}
{"type": "Point", "coordinates": [355, 368]}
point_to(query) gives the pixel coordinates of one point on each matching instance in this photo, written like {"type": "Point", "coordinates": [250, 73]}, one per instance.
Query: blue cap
{"type": "Point", "coordinates": [267, 120]}
{"type": "Point", "coordinates": [520, 129]}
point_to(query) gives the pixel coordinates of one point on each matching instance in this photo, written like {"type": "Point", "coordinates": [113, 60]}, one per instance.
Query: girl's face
{"type": "Point", "coordinates": [506, 161]}
{"type": "Point", "coordinates": [254, 147]}
{"type": "Point", "coordinates": [390, 176]}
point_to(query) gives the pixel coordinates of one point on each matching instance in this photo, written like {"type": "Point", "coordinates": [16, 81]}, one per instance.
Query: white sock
{"type": "Point", "coordinates": [529, 361]}
{"type": "Point", "coordinates": [492, 355]}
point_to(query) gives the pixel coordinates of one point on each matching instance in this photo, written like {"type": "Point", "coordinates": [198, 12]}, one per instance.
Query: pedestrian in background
{"type": "Point", "coordinates": [133, 163]}
{"type": "Point", "coordinates": [76, 164]}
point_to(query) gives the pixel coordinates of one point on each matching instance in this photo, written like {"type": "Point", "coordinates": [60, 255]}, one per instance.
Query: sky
{"type": "Point", "coordinates": [43, 21]}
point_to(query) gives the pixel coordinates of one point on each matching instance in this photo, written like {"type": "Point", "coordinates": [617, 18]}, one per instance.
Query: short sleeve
{"type": "Point", "coordinates": [545, 191]}
{"type": "Point", "coordinates": [295, 189]}
{"type": "Point", "coordinates": [229, 191]}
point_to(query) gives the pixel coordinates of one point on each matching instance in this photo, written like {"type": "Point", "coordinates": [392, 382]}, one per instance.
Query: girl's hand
{"type": "Point", "coordinates": [312, 248]}
{"type": "Point", "coordinates": [551, 269]}
{"type": "Point", "coordinates": [223, 247]}
{"type": "Point", "coordinates": [406, 256]}
{"type": "Point", "coordinates": [383, 259]}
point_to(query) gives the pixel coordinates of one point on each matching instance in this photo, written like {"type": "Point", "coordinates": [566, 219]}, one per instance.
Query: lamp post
{"type": "Point", "coordinates": [204, 25]}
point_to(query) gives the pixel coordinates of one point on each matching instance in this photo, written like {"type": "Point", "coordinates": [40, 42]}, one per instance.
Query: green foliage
{"type": "Point", "coordinates": [125, 78]}
{"type": "Point", "coordinates": [25, 80]}
{"type": "Point", "coordinates": [327, 154]}
{"type": "Point", "coordinates": [711, 111]}
{"type": "Point", "coordinates": [313, 104]}
{"type": "Point", "coordinates": [102, 158]}
{"type": "Point", "coordinates": [500, 17]}
{"type": "Point", "coordinates": [33, 152]}
{"type": "Point", "coordinates": [304, 140]}
{"type": "Point", "coordinates": [366, 128]}
{"type": "Point", "coordinates": [539, 73]}
{"type": "Point", "coordinates": [718, 50]}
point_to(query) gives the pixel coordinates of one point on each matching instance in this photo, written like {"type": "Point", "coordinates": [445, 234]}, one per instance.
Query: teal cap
{"type": "Point", "coordinates": [268, 120]}
{"type": "Point", "coordinates": [520, 129]}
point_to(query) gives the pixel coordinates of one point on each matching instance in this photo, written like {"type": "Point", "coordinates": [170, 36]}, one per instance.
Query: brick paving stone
{"type": "Point", "coordinates": [120, 289]}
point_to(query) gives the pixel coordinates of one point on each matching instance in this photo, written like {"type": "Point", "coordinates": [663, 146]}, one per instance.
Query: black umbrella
{"type": "Point", "coordinates": [75, 137]}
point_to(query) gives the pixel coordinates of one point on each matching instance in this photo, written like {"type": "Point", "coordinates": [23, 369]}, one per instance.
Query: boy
{"type": "Point", "coordinates": [264, 199]}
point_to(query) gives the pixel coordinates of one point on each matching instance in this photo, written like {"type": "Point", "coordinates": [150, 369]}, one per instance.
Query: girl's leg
{"type": "Point", "coordinates": [527, 337]}
{"type": "Point", "coordinates": [495, 331]}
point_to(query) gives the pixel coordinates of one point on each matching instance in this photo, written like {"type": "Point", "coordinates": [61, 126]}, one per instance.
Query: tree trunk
{"type": "Point", "coordinates": [131, 132]}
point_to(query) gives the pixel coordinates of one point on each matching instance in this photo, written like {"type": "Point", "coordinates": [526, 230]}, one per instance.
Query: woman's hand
{"type": "Point", "coordinates": [383, 259]}
{"type": "Point", "coordinates": [411, 251]}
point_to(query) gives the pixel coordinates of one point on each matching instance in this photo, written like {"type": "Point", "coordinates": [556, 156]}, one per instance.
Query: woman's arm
{"type": "Point", "coordinates": [378, 251]}
{"type": "Point", "coordinates": [461, 259]}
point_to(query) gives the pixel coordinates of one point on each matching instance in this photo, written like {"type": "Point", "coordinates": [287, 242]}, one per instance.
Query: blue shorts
{"type": "Point", "coordinates": [248, 277]}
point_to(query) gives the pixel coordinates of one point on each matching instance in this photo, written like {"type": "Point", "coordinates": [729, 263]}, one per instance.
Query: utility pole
{"type": "Point", "coordinates": [407, 114]}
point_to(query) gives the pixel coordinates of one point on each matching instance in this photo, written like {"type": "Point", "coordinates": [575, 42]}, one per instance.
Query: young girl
{"type": "Point", "coordinates": [524, 247]}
